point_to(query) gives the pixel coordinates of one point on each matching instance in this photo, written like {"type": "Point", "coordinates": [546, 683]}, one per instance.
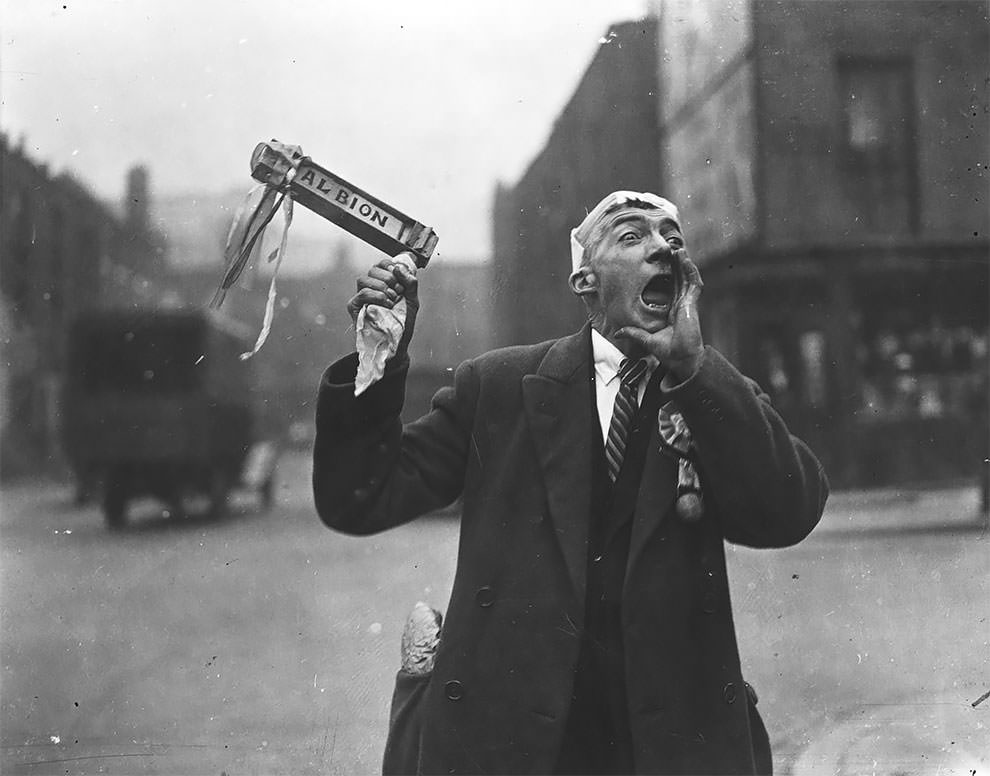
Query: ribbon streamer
{"type": "Point", "coordinates": [275, 256]}
{"type": "Point", "coordinates": [244, 236]}
{"type": "Point", "coordinates": [244, 240]}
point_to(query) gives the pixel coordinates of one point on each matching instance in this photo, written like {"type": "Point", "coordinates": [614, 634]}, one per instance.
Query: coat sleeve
{"type": "Point", "coordinates": [370, 473]}
{"type": "Point", "coordinates": [766, 486]}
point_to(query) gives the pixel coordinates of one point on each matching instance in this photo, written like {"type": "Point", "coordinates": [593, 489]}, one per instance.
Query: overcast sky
{"type": "Point", "coordinates": [423, 103]}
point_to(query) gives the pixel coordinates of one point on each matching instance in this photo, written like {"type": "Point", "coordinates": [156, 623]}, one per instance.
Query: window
{"type": "Point", "coordinates": [879, 144]}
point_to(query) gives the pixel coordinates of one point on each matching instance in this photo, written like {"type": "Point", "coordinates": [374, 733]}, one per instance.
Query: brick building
{"type": "Point", "coordinates": [62, 251]}
{"type": "Point", "coordinates": [606, 137]}
{"type": "Point", "coordinates": [830, 161]}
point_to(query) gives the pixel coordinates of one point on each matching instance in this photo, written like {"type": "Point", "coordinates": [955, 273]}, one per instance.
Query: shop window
{"type": "Point", "coordinates": [923, 370]}
{"type": "Point", "coordinates": [878, 116]}
{"type": "Point", "coordinates": [792, 368]}
{"type": "Point", "coordinates": [775, 368]}
{"type": "Point", "coordinates": [812, 345]}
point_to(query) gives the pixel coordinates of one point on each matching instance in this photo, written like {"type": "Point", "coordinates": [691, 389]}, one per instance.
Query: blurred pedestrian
{"type": "Point", "coordinates": [589, 629]}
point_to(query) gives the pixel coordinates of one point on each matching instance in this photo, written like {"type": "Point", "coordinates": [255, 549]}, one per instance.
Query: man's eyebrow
{"type": "Point", "coordinates": [641, 217]}
{"type": "Point", "coordinates": [626, 218]}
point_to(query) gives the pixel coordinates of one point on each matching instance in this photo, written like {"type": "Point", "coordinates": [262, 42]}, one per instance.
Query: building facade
{"type": "Point", "coordinates": [829, 159]}
{"type": "Point", "coordinates": [312, 328]}
{"type": "Point", "coordinates": [62, 252]}
{"type": "Point", "coordinates": [607, 137]}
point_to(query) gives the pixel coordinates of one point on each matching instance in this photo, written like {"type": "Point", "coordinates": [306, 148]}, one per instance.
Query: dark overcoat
{"type": "Point", "coordinates": [513, 438]}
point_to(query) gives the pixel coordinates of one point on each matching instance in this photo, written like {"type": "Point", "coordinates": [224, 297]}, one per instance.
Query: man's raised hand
{"type": "Point", "coordinates": [385, 284]}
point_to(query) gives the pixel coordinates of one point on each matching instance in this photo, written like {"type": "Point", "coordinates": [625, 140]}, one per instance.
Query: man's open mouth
{"type": "Point", "coordinates": [659, 292]}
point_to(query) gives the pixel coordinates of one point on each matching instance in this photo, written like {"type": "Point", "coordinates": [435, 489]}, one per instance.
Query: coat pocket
{"type": "Point", "coordinates": [420, 640]}
{"type": "Point", "coordinates": [405, 724]}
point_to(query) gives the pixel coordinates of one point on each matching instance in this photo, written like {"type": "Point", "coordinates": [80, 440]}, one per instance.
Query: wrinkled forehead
{"type": "Point", "coordinates": [648, 217]}
{"type": "Point", "coordinates": [622, 201]}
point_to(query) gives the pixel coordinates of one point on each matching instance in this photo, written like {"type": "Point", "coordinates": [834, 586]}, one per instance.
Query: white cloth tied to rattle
{"type": "Point", "coordinates": [379, 330]}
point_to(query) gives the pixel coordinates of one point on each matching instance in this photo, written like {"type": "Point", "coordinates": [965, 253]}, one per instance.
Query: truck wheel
{"type": "Point", "coordinates": [267, 493]}
{"type": "Point", "coordinates": [175, 503]}
{"type": "Point", "coordinates": [115, 504]}
{"type": "Point", "coordinates": [219, 493]}
{"type": "Point", "coordinates": [83, 491]}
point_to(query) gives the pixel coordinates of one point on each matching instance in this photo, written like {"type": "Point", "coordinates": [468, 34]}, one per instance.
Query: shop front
{"type": "Point", "coordinates": [877, 360]}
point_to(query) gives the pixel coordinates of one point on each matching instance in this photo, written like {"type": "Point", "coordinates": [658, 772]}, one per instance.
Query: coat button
{"type": "Point", "coordinates": [709, 603]}
{"type": "Point", "coordinates": [454, 690]}
{"type": "Point", "coordinates": [729, 693]}
{"type": "Point", "coordinates": [485, 596]}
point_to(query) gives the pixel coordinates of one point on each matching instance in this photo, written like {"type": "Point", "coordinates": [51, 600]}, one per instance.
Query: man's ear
{"type": "Point", "coordinates": [583, 281]}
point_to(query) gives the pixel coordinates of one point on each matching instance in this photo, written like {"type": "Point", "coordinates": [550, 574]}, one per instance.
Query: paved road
{"type": "Point", "coordinates": [870, 641]}
{"type": "Point", "coordinates": [263, 643]}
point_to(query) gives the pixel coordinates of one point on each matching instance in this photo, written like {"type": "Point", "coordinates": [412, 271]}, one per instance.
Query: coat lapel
{"type": "Point", "coordinates": [657, 491]}
{"type": "Point", "coordinates": [557, 400]}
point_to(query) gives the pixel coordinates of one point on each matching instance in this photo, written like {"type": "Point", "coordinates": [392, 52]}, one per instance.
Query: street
{"type": "Point", "coordinates": [264, 643]}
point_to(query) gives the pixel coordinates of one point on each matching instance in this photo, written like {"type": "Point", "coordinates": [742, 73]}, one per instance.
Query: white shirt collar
{"type": "Point", "coordinates": [608, 358]}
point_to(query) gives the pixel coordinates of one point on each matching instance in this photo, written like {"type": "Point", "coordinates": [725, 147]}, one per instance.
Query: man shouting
{"type": "Point", "coordinates": [589, 629]}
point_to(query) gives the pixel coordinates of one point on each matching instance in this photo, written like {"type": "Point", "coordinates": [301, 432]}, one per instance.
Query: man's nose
{"type": "Point", "coordinates": [658, 249]}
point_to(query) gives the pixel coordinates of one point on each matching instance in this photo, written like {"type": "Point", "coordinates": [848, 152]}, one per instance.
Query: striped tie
{"type": "Point", "coordinates": [630, 373]}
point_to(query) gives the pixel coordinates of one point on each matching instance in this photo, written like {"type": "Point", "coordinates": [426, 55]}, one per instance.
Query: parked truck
{"type": "Point", "coordinates": [160, 404]}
